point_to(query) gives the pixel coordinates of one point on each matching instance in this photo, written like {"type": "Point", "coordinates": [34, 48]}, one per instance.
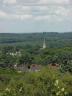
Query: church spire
{"type": "Point", "coordinates": [44, 42]}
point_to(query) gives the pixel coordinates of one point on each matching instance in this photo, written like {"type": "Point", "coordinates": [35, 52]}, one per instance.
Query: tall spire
{"type": "Point", "coordinates": [44, 42]}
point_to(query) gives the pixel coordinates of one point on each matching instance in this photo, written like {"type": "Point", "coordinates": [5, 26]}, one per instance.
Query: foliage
{"type": "Point", "coordinates": [25, 49]}
{"type": "Point", "coordinates": [47, 82]}
{"type": "Point", "coordinates": [28, 56]}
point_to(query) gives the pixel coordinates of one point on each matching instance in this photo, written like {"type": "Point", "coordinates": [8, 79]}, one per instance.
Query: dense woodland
{"type": "Point", "coordinates": [26, 49]}
{"type": "Point", "coordinates": [53, 40]}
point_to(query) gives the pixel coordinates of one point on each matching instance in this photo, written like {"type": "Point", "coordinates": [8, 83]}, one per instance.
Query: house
{"type": "Point", "coordinates": [17, 53]}
{"type": "Point", "coordinates": [35, 67]}
{"type": "Point", "coordinates": [26, 68]}
{"type": "Point", "coordinates": [54, 66]}
{"type": "Point", "coordinates": [21, 67]}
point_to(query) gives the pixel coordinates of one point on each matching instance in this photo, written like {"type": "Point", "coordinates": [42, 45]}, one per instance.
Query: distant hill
{"type": "Point", "coordinates": [53, 39]}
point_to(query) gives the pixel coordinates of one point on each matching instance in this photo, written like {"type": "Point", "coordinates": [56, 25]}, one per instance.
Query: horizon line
{"type": "Point", "coordinates": [32, 32]}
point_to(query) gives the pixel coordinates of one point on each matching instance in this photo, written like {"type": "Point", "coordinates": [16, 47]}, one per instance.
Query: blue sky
{"type": "Point", "coordinates": [35, 16]}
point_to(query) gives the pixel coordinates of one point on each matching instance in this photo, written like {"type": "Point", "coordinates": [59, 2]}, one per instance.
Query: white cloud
{"type": "Point", "coordinates": [42, 8]}
{"type": "Point", "coordinates": [9, 1]}
{"type": "Point", "coordinates": [22, 10]}
{"type": "Point", "coordinates": [54, 1]}
{"type": "Point", "coordinates": [22, 7]}
{"type": "Point", "coordinates": [43, 13]}
{"type": "Point", "coordinates": [43, 1]}
{"type": "Point", "coordinates": [27, 1]}
{"type": "Point", "coordinates": [19, 11]}
{"type": "Point", "coordinates": [24, 17]}
{"type": "Point", "coordinates": [62, 11]}
{"type": "Point", "coordinates": [37, 1]}
{"type": "Point", "coordinates": [2, 13]}
{"type": "Point", "coordinates": [42, 17]}
{"type": "Point", "coordinates": [25, 7]}
{"type": "Point", "coordinates": [5, 15]}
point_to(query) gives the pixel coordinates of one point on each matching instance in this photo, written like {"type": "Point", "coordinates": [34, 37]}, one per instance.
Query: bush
{"type": "Point", "coordinates": [47, 82]}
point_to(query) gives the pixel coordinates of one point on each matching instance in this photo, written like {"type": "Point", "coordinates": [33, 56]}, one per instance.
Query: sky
{"type": "Point", "coordinates": [21, 16]}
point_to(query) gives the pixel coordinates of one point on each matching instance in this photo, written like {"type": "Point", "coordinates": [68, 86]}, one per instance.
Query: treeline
{"type": "Point", "coordinates": [9, 56]}
{"type": "Point", "coordinates": [53, 40]}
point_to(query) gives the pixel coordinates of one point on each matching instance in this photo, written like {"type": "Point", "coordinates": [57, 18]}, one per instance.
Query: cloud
{"type": "Point", "coordinates": [62, 11]}
{"type": "Point", "coordinates": [54, 1]}
{"type": "Point", "coordinates": [42, 18]}
{"type": "Point", "coordinates": [2, 13]}
{"type": "Point", "coordinates": [31, 2]}
{"type": "Point", "coordinates": [22, 10]}
{"type": "Point", "coordinates": [49, 14]}
{"type": "Point", "coordinates": [24, 17]}
{"type": "Point", "coordinates": [27, 1]}
{"type": "Point", "coordinates": [38, 13]}
{"type": "Point", "coordinates": [15, 9]}
{"type": "Point", "coordinates": [9, 1]}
